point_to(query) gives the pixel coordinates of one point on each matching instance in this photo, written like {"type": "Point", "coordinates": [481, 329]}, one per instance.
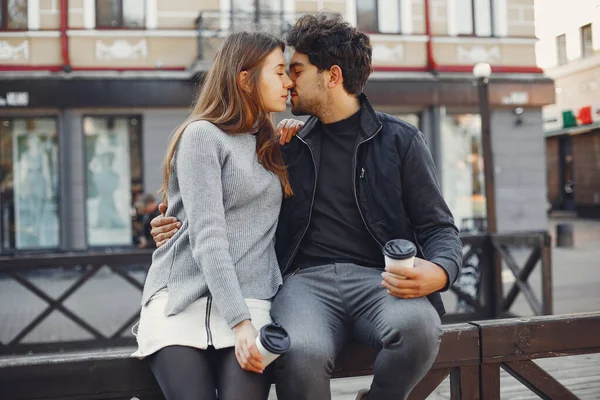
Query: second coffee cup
{"type": "Point", "coordinates": [272, 341]}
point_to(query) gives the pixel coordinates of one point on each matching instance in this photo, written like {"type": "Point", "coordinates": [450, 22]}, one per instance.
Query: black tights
{"type": "Point", "coordinates": [186, 373]}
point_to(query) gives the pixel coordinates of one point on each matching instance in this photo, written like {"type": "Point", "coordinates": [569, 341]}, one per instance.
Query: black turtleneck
{"type": "Point", "coordinates": [337, 232]}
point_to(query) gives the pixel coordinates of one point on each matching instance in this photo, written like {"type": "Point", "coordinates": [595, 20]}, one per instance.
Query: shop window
{"type": "Point", "coordinates": [463, 182]}
{"type": "Point", "coordinates": [29, 184]}
{"type": "Point", "coordinates": [120, 14]}
{"type": "Point", "coordinates": [113, 178]}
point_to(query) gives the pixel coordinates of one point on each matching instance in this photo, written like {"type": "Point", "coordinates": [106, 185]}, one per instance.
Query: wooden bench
{"type": "Point", "coordinates": [472, 354]}
{"type": "Point", "coordinates": [513, 344]}
{"type": "Point", "coordinates": [115, 375]}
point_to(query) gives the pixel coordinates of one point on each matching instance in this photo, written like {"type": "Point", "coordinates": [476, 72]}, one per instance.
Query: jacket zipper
{"type": "Point", "coordinates": [354, 182]}
{"type": "Point", "coordinates": [312, 202]}
{"type": "Point", "coordinates": [207, 320]}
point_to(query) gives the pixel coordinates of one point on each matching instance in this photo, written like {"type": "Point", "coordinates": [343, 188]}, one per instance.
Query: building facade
{"type": "Point", "coordinates": [569, 50]}
{"type": "Point", "coordinates": [91, 89]}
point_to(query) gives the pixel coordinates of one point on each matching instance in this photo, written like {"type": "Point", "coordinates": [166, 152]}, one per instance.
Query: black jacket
{"type": "Point", "coordinates": [396, 190]}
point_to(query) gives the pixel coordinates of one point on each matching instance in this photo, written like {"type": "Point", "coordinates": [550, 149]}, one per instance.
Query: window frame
{"type": "Point", "coordinates": [257, 11]}
{"type": "Point", "coordinates": [120, 25]}
{"type": "Point", "coordinates": [35, 250]}
{"type": "Point", "coordinates": [140, 121]}
{"type": "Point", "coordinates": [4, 18]}
{"type": "Point", "coordinates": [474, 22]}
{"type": "Point", "coordinates": [561, 61]}
{"type": "Point", "coordinates": [582, 30]}
{"type": "Point", "coordinates": [377, 29]}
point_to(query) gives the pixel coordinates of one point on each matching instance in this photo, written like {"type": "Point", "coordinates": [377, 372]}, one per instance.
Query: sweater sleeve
{"type": "Point", "coordinates": [198, 164]}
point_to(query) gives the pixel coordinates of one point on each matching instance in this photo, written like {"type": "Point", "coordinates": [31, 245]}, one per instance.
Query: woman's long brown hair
{"type": "Point", "coordinates": [224, 103]}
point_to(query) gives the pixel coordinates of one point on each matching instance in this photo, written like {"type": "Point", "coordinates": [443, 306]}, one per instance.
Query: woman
{"type": "Point", "coordinates": [208, 290]}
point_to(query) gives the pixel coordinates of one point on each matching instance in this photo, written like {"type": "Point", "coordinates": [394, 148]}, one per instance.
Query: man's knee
{"type": "Point", "coordinates": [419, 334]}
{"type": "Point", "coordinates": [308, 357]}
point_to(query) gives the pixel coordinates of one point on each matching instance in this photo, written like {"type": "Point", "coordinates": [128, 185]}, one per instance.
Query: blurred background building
{"type": "Point", "coordinates": [90, 90]}
{"type": "Point", "coordinates": [569, 50]}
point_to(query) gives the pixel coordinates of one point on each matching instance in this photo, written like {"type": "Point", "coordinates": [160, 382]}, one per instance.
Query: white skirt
{"type": "Point", "coordinates": [199, 325]}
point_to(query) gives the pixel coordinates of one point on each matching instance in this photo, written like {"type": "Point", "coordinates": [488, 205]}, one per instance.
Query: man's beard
{"type": "Point", "coordinates": [299, 110]}
{"type": "Point", "coordinates": [313, 105]}
{"type": "Point", "coordinates": [307, 107]}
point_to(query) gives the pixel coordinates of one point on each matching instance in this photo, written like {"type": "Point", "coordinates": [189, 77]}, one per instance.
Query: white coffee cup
{"type": "Point", "coordinates": [272, 341]}
{"type": "Point", "coordinates": [399, 253]}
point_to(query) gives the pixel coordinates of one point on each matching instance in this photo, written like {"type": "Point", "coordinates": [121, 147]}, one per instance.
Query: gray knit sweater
{"type": "Point", "coordinates": [228, 205]}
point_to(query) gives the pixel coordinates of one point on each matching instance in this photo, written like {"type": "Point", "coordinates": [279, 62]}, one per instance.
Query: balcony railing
{"type": "Point", "coordinates": [214, 26]}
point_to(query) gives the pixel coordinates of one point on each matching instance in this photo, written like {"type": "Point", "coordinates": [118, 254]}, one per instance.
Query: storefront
{"type": "Point", "coordinates": [573, 162]}
{"type": "Point", "coordinates": [72, 156]}
{"type": "Point", "coordinates": [76, 154]}
{"type": "Point", "coordinates": [447, 106]}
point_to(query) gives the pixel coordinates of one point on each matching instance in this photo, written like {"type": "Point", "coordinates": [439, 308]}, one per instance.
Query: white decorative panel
{"type": "Point", "coordinates": [478, 53]}
{"type": "Point", "coordinates": [383, 53]}
{"type": "Point", "coordinates": [8, 52]}
{"type": "Point", "coordinates": [121, 50]}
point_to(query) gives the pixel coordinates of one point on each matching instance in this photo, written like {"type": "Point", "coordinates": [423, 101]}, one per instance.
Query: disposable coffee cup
{"type": "Point", "coordinates": [399, 253]}
{"type": "Point", "coordinates": [272, 341]}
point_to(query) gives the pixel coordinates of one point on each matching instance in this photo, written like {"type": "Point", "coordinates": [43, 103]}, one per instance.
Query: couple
{"type": "Point", "coordinates": [255, 230]}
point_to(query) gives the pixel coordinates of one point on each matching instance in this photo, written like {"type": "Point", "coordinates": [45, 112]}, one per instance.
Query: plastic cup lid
{"type": "Point", "coordinates": [399, 249]}
{"type": "Point", "coordinates": [274, 338]}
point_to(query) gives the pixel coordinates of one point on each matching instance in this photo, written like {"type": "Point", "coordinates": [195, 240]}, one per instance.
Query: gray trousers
{"type": "Point", "coordinates": [325, 307]}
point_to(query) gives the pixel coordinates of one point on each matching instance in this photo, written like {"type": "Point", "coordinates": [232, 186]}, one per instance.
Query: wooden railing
{"type": "Point", "coordinates": [480, 293]}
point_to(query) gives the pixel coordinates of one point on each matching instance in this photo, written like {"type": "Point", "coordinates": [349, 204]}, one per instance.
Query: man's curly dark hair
{"type": "Point", "coordinates": [329, 41]}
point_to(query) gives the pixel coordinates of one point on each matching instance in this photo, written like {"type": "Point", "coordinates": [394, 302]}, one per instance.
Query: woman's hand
{"type": "Point", "coordinates": [287, 129]}
{"type": "Point", "coordinates": [246, 351]}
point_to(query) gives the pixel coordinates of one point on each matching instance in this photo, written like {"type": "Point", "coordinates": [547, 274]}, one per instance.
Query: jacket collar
{"type": "Point", "coordinates": [369, 121]}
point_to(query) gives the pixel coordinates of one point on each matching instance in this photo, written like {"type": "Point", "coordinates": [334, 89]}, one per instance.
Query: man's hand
{"type": "Point", "coordinates": [287, 129]}
{"type": "Point", "coordinates": [423, 279]}
{"type": "Point", "coordinates": [163, 228]}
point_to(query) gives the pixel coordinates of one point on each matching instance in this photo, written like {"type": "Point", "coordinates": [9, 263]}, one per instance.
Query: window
{"type": "Point", "coordinates": [13, 14]}
{"type": "Point", "coordinates": [463, 182]}
{"type": "Point", "coordinates": [381, 16]}
{"type": "Point", "coordinates": [561, 49]}
{"type": "Point", "coordinates": [114, 178]}
{"type": "Point", "coordinates": [473, 17]}
{"type": "Point", "coordinates": [266, 14]}
{"type": "Point", "coordinates": [29, 216]}
{"type": "Point", "coordinates": [587, 48]}
{"type": "Point", "coordinates": [120, 13]}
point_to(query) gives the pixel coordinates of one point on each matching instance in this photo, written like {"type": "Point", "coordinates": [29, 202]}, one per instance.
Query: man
{"type": "Point", "coordinates": [360, 178]}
